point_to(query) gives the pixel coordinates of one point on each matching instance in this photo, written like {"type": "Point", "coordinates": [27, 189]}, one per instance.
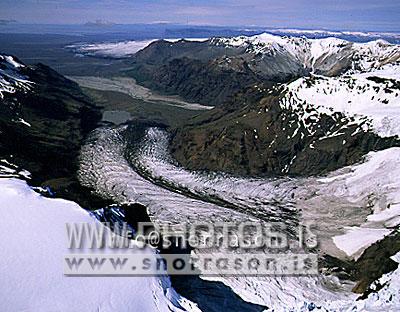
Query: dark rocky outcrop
{"type": "Point", "coordinates": [372, 265]}
{"type": "Point", "coordinates": [59, 117]}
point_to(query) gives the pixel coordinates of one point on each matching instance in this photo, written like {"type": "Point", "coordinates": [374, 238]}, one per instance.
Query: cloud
{"type": "Point", "coordinates": [349, 14]}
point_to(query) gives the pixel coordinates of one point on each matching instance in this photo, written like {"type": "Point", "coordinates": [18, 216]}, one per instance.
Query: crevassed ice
{"type": "Point", "coordinates": [162, 186]}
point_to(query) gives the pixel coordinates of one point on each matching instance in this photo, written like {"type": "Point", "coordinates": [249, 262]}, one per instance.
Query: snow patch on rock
{"type": "Point", "coordinates": [317, 53]}
{"type": "Point", "coordinates": [371, 98]}
{"type": "Point", "coordinates": [11, 79]}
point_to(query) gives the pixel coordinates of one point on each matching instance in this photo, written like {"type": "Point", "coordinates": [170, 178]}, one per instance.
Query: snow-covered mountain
{"type": "Point", "coordinates": [393, 37]}
{"type": "Point", "coordinates": [327, 56]}
{"type": "Point", "coordinates": [127, 48]}
{"type": "Point", "coordinates": [302, 106]}
{"type": "Point", "coordinates": [372, 98]}
{"type": "Point", "coordinates": [12, 81]}
{"type": "Point", "coordinates": [210, 71]}
{"type": "Point", "coordinates": [359, 79]}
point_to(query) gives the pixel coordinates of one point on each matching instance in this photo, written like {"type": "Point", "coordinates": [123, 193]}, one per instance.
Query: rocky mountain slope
{"type": "Point", "coordinates": [44, 118]}
{"type": "Point", "coordinates": [343, 104]}
{"type": "Point", "coordinates": [267, 136]}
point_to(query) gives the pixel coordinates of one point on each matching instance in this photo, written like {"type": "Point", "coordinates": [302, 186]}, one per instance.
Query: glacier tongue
{"type": "Point", "coordinates": [333, 203]}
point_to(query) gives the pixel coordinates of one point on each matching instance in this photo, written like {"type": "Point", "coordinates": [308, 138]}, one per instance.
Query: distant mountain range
{"type": "Point", "coordinates": [356, 36]}
{"type": "Point", "coordinates": [127, 47]}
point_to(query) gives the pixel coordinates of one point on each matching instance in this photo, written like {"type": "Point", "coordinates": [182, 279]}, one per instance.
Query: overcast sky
{"type": "Point", "coordinates": [379, 15]}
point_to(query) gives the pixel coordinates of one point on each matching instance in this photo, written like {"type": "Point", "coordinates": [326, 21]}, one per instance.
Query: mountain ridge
{"type": "Point", "coordinates": [210, 71]}
{"type": "Point", "coordinates": [285, 105]}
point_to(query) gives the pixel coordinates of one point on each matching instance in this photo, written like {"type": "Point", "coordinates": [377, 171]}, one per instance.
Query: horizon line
{"type": "Point", "coordinates": [106, 24]}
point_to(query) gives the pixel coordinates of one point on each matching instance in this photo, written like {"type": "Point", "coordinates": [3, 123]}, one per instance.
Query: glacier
{"type": "Point", "coordinates": [151, 179]}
